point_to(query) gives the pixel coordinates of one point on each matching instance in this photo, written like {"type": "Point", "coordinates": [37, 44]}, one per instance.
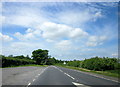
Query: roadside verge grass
{"type": "Point", "coordinates": [111, 73]}
{"type": "Point", "coordinates": [26, 66]}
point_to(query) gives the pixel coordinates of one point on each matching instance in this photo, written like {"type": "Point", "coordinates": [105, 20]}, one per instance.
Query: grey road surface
{"type": "Point", "coordinates": [19, 75]}
{"type": "Point", "coordinates": [54, 76]}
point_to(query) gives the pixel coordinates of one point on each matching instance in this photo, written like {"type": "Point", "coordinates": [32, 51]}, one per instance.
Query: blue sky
{"type": "Point", "coordinates": [69, 30]}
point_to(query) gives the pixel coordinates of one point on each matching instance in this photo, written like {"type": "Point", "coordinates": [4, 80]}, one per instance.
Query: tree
{"type": "Point", "coordinates": [51, 61]}
{"type": "Point", "coordinates": [10, 56]}
{"type": "Point", "coordinates": [19, 57]}
{"type": "Point", "coordinates": [40, 56]}
{"type": "Point", "coordinates": [27, 57]}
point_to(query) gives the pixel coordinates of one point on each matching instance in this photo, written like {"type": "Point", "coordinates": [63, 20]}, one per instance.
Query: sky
{"type": "Point", "coordinates": [69, 30]}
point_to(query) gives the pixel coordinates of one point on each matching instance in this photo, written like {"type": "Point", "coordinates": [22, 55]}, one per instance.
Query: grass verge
{"type": "Point", "coordinates": [111, 73]}
{"type": "Point", "coordinates": [27, 65]}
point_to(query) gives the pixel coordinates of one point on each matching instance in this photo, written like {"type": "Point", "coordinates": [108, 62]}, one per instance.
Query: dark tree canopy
{"type": "Point", "coordinates": [51, 61]}
{"type": "Point", "coordinates": [40, 56]}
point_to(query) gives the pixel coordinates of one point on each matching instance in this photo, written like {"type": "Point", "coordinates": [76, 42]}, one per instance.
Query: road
{"type": "Point", "coordinates": [54, 76]}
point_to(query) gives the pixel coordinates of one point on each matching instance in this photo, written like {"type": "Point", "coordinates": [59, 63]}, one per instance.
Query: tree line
{"type": "Point", "coordinates": [96, 63]}
{"type": "Point", "coordinates": [39, 57]}
{"type": "Point", "coordinates": [42, 57]}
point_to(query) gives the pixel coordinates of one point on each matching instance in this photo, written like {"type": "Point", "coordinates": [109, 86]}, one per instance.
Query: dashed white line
{"type": "Point", "coordinates": [33, 80]}
{"type": "Point", "coordinates": [37, 76]}
{"type": "Point", "coordinates": [58, 69]}
{"type": "Point", "coordinates": [96, 76]}
{"type": "Point", "coordinates": [69, 76]}
{"type": "Point", "coordinates": [76, 83]}
{"type": "Point", "coordinates": [65, 73]}
{"type": "Point", "coordinates": [29, 84]}
{"type": "Point", "coordinates": [42, 72]}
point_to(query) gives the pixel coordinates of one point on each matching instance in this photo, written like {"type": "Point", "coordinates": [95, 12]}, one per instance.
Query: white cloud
{"type": "Point", "coordinates": [96, 40]}
{"type": "Point", "coordinates": [25, 20]}
{"type": "Point", "coordinates": [25, 16]}
{"type": "Point", "coordinates": [77, 33]}
{"type": "Point", "coordinates": [30, 35]}
{"type": "Point", "coordinates": [2, 20]}
{"type": "Point", "coordinates": [53, 31]}
{"type": "Point", "coordinates": [29, 30]}
{"type": "Point", "coordinates": [30, 16]}
{"type": "Point", "coordinates": [64, 27]}
{"type": "Point", "coordinates": [79, 17]}
{"type": "Point", "coordinates": [97, 15]}
{"type": "Point", "coordinates": [5, 38]}
{"type": "Point", "coordinates": [64, 45]}
{"type": "Point", "coordinates": [115, 54]}
{"type": "Point", "coordinates": [21, 48]}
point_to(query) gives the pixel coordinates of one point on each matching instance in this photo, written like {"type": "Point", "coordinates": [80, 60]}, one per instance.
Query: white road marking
{"type": "Point", "coordinates": [96, 76]}
{"type": "Point", "coordinates": [65, 73]}
{"type": "Point", "coordinates": [58, 68]}
{"type": "Point", "coordinates": [33, 80]}
{"type": "Point", "coordinates": [42, 71]}
{"type": "Point", "coordinates": [76, 83]}
{"type": "Point", "coordinates": [37, 76]}
{"type": "Point", "coordinates": [29, 84]}
{"type": "Point", "coordinates": [69, 76]}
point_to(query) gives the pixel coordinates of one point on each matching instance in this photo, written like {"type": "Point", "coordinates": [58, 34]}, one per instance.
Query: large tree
{"type": "Point", "coordinates": [40, 56]}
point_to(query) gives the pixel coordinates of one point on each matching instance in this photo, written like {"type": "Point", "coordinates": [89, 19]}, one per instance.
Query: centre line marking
{"type": "Point", "coordinates": [76, 83]}
{"type": "Point", "coordinates": [29, 84]}
{"type": "Point", "coordinates": [96, 76]}
{"type": "Point", "coordinates": [33, 80]}
{"type": "Point", "coordinates": [69, 76]}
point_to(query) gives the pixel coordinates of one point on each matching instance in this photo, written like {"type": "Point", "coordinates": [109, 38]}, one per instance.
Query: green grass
{"type": "Point", "coordinates": [111, 73]}
{"type": "Point", "coordinates": [26, 65]}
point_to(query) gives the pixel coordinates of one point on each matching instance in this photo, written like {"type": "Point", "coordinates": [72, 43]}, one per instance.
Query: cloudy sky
{"type": "Point", "coordinates": [69, 30]}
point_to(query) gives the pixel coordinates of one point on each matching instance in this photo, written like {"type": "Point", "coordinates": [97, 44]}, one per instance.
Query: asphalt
{"type": "Point", "coordinates": [88, 79]}
{"type": "Point", "coordinates": [19, 75]}
{"type": "Point", "coordinates": [54, 76]}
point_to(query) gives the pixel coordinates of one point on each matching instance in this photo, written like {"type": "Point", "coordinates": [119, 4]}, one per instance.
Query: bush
{"type": "Point", "coordinates": [100, 63]}
{"type": "Point", "coordinates": [74, 63]}
{"type": "Point", "coordinates": [9, 61]}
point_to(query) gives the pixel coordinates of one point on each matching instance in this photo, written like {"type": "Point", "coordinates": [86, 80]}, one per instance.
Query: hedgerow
{"type": "Point", "coordinates": [9, 61]}
{"type": "Point", "coordinates": [96, 63]}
